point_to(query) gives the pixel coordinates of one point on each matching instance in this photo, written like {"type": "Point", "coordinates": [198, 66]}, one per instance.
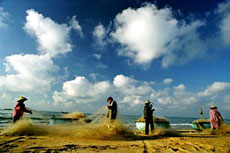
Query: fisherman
{"type": "Point", "coordinates": [215, 117]}
{"type": "Point", "coordinates": [112, 109]}
{"type": "Point", "coordinates": [148, 115]}
{"type": "Point", "coordinates": [20, 108]}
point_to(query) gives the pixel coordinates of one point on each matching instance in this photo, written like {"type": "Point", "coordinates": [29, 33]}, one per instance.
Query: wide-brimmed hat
{"type": "Point", "coordinates": [147, 102]}
{"type": "Point", "coordinates": [21, 99]}
{"type": "Point", "coordinates": [213, 106]}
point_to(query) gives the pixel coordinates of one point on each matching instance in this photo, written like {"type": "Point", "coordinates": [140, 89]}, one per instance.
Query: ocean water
{"type": "Point", "coordinates": [45, 117]}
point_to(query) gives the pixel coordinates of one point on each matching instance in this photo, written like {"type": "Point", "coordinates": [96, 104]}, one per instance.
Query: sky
{"type": "Point", "coordinates": [71, 55]}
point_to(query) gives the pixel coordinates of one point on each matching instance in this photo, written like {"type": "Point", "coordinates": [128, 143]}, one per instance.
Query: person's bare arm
{"type": "Point", "coordinates": [28, 111]}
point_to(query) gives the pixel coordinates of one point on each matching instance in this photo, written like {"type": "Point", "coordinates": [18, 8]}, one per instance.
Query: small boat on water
{"type": "Point", "coordinates": [158, 122]}
{"type": "Point", "coordinates": [201, 124]}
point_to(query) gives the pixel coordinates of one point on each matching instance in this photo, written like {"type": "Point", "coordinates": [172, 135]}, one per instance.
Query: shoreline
{"type": "Point", "coordinates": [188, 141]}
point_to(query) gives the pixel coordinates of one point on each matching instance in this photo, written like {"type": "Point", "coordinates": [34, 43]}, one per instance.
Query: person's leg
{"type": "Point", "coordinates": [15, 119]}
{"type": "Point", "coordinates": [152, 125]}
{"type": "Point", "coordinates": [146, 126]}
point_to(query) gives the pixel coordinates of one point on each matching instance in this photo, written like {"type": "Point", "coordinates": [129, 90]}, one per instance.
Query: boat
{"type": "Point", "coordinates": [158, 122]}
{"type": "Point", "coordinates": [201, 124]}
{"type": "Point", "coordinates": [69, 118]}
{"type": "Point", "coordinates": [55, 120]}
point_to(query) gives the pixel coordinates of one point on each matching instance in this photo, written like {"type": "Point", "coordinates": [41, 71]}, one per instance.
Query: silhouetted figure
{"type": "Point", "coordinates": [201, 113]}
{"type": "Point", "coordinates": [112, 109]}
{"type": "Point", "coordinates": [148, 115]}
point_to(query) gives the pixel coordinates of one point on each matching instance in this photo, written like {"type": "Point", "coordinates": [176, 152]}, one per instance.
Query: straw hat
{"type": "Point", "coordinates": [147, 102]}
{"type": "Point", "coordinates": [213, 106]}
{"type": "Point", "coordinates": [21, 99]}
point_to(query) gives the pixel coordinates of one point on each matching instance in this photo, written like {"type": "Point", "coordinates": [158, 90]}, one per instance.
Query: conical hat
{"type": "Point", "coordinates": [22, 99]}
{"type": "Point", "coordinates": [213, 106]}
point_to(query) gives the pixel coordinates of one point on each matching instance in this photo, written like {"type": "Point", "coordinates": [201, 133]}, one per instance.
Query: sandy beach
{"type": "Point", "coordinates": [188, 141]}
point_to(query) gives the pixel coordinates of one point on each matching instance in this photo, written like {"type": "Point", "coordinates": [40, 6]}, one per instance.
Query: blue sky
{"type": "Point", "coordinates": [70, 56]}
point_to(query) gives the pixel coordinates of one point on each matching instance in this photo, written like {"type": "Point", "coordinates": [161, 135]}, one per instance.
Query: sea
{"type": "Point", "coordinates": [45, 117]}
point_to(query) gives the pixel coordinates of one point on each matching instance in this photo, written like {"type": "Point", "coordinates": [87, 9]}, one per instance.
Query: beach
{"type": "Point", "coordinates": [28, 135]}
{"type": "Point", "coordinates": [187, 142]}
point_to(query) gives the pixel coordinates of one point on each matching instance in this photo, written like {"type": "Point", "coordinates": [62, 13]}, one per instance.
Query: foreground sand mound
{"type": "Point", "coordinates": [166, 132]}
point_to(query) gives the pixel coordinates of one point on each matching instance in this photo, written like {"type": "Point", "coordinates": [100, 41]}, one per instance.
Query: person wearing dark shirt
{"type": "Point", "coordinates": [148, 115]}
{"type": "Point", "coordinates": [112, 109]}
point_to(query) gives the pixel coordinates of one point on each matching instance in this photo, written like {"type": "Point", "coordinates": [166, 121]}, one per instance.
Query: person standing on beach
{"type": "Point", "coordinates": [112, 109]}
{"type": "Point", "coordinates": [148, 115]}
{"type": "Point", "coordinates": [215, 117]}
{"type": "Point", "coordinates": [20, 108]}
{"type": "Point", "coordinates": [201, 113]}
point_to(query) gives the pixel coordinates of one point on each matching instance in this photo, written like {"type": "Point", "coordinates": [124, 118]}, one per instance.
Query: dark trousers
{"type": "Point", "coordinates": [15, 118]}
{"type": "Point", "coordinates": [147, 122]}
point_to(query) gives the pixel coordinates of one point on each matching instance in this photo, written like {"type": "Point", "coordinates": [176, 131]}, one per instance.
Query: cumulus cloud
{"type": "Point", "coordinates": [216, 89]}
{"type": "Point", "coordinates": [224, 11]}
{"type": "Point", "coordinates": [168, 81]}
{"type": "Point", "coordinates": [81, 90]}
{"type": "Point", "coordinates": [52, 38]}
{"type": "Point", "coordinates": [3, 16]}
{"type": "Point", "coordinates": [100, 34]}
{"type": "Point", "coordinates": [132, 93]}
{"type": "Point", "coordinates": [149, 33]}
{"type": "Point", "coordinates": [128, 85]}
{"type": "Point", "coordinates": [28, 73]}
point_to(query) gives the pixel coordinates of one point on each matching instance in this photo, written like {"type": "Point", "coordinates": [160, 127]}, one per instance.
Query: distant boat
{"type": "Point", "coordinates": [201, 124]}
{"type": "Point", "coordinates": [8, 109]}
{"type": "Point", "coordinates": [64, 112]}
{"type": "Point", "coordinates": [158, 122]}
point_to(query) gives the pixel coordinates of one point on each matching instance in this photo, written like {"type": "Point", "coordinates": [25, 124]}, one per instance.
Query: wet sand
{"type": "Point", "coordinates": [188, 141]}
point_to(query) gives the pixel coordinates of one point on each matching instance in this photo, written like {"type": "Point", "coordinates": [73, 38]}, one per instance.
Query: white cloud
{"type": "Point", "coordinates": [224, 11]}
{"type": "Point", "coordinates": [52, 38]}
{"type": "Point", "coordinates": [180, 87]}
{"type": "Point", "coordinates": [82, 90]}
{"type": "Point", "coordinates": [96, 76]}
{"type": "Point", "coordinates": [3, 16]}
{"type": "Point", "coordinates": [28, 73]}
{"type": "Point", "coordinates": [216, 89]}
{"type": "Point", "coordinates": [93, 76]}
{"type": "Point", "coordinates": [225, 29]}
{"type": "Point", "coordinates": [168, 81]}
{"type": "Point", "coordinates": [224, 8]}
{"type": "Point", "coordinates": [97, 56]}
{"type": "Point", "coordinates": [75, 25]}
{"type": "Point", "coordinates": [132, 93]}
{"type": "Point", "coordinates": [99, 35]}
{"type": "Point", "coordinates": [101, 66]}
{"type": "Point", "coordinates": [148, 33]}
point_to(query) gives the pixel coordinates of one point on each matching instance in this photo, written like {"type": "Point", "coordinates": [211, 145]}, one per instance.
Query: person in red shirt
{"type": "Point", "coordinates": [19, 109]}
